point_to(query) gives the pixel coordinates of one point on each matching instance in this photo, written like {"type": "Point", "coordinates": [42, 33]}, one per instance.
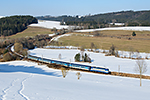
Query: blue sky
{"type": "Point", "coordinates": [69, 7]}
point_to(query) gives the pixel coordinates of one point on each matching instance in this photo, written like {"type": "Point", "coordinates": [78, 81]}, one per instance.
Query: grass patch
{"type": "Point", "coordinates": [140, 42]}
{"type": "Point", "coordinates": [31, 31]}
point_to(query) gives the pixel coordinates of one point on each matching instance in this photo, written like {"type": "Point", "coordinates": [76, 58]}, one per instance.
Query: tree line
{"type": "Point", "coordinates": [130, 18]}
{"type": "Point", "coordinates": [14, 24]}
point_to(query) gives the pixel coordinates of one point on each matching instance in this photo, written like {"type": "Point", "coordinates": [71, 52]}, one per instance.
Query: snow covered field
{"type": "Point", "coordinates": [117, 28]}
{"type": "Point", "coordinates": [49, 24]}
{"type": "Point", "coordinates": [98, 59]}
{"type": "Point", "coordinates": [22, 80]}
{"type": "Point", "coordinates": [56, 24]}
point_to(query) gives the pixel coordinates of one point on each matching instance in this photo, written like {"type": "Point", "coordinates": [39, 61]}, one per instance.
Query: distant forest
{"type": "Point", "coordinates": [14, 24]}
{"type": "Point", "coordinates": [129, 18]}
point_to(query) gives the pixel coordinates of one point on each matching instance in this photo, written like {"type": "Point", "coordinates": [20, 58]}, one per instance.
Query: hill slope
{"type": "Point", "coordinates": [22, 80]}
{"type": "Point", "coordinates": [130, 18]}
{"type": "Point", "coordinates": [14, 24]}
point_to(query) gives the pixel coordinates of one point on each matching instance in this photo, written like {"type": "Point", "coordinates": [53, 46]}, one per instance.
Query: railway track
{"type": "Point", "coordinates": [57, 66]}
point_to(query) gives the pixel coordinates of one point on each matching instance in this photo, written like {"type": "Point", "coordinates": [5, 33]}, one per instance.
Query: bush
{"type": "Point", "coordinates": [18, 47]}
{"type": "Point", "coordinates": [92, 45]}
{"type": "Point", "coordinates": [30, 45]}
{"type": "Point", "coordinates": [133, 34]}
{"type": "Point", "coordinates": [78, 75]}
{"type": "Point", "coordinates": [77, 57]}
{"type": "Point", "coordinates": [64, 71]}
{"type": "Point", "coordinates": [2, 51]}
{"type": "Point", "coordinates": [25, 52]}
{"type": "Point", "coordinates": [112, 50]}
{"type": "Point", "coordinates": [7, 57]}
{"type": "Point", "coordinates": [5, 51]}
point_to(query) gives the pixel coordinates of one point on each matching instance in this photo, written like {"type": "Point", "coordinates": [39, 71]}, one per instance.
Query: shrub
{"type": "Point", "coordinates": [64, 71]}
{"type": "Point", "coordinates": [78, 75]}
{"type": "Point", "coordinates": [112, 50]}
{"type": "Point", "coordinates": [5, 51]}
{"type": "Point", "coordinates": [77, 57]}
{"type": "Point", "coordinates": [25, 52]}
{"type": "Point", "coordinates": [7, 57]}
{"type": "Point", "coordinates": [18, 47]}
{"type": "Point", "coordinates": [2, 51]}
{"type": "Point", "coordinates": [133, 34]}
{"type": "Point", "coordinates": [92, 45]}
{"type": "Point", "coordinates": [30, 45]}
{"type": "Point", "coordinates": [15, 57]}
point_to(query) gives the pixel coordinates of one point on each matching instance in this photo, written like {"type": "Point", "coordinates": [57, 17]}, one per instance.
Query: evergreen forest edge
{"type": "Point", "coordinates": [14, 24]}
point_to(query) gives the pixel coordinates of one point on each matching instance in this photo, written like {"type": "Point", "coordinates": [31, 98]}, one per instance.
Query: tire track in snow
{"type": "Point", "coordinates": [22, 87]}
{"type": "Point", "coordinates": [3, 97]}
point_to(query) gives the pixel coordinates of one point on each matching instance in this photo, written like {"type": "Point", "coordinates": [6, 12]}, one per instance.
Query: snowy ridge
{"type": "Point", "coordinates": [49, 24]}
{"type": "Point", "coordinates": [138, 28]}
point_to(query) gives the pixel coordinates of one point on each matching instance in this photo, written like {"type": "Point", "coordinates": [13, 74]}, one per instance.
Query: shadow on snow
{"type": "Point", "coordinates": [27, 69]}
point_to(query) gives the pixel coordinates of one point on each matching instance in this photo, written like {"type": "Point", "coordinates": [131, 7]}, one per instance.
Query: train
{"type": "Point", "coordinates": [71, 64]}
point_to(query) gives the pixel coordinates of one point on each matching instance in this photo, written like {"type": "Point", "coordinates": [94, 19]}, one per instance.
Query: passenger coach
{"type": "Point", "coordinates": [71, 65]}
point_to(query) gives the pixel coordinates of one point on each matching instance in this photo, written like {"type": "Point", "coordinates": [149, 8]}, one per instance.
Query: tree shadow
{"type": "Point", "coordinates": [27, 69]}
{"type": "Point", "coordinates": [92, 60]}
{"type": "Point", "coordinates": [33, 54]}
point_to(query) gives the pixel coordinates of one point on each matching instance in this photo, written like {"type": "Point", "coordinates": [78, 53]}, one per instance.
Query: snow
{"type": "Point", "coordinates": [2, 16]}
{"type": "Point", "coordinates": [117, 24]}
{"type": "Point", "coordinates": [61, 47]}
{"type": "Point", "coordinates": [59, 36]}
{"type": "Point", "coordinates": [12, 48]}
{"type": "Point", "coordinates": [22, 80]}
{"type": "Point", "coordinates": [49, 24]}
{"type": "Point", "coordinates": [136, 28]}
{"type": "Point", "coordinates": [70, 34]}
{"type": "Point", "coordinates": [98, 59]}
{"type": "Point", "coordinates": [52, 34]}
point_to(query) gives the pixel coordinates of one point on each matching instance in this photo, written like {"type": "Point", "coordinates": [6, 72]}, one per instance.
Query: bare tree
{"type": "Point", "coordinates": [141, 67]}
{"type": "Point", "coordinates": [78, 75]}
{"type": "Point", "coordinates": [112, 49]}
{"type": "Point", "coordinates": [131, 51]}
{"type": "Point", "coordinates": [59, 56]}
{"type": "Point", "coordinates": [54, 29]}
{"type": "Point", "coordinates": [82, 52]}
{"type": "Point", "coordinates": [92, 45]}
{"type": "Point", "coordinates": [64, 71]}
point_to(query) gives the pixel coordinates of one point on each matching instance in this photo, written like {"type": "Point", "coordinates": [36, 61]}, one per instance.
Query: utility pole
{"type": "Point", "coordinates": [42, 59]}
{"type": "Point", "coordinates": [119, 69]}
